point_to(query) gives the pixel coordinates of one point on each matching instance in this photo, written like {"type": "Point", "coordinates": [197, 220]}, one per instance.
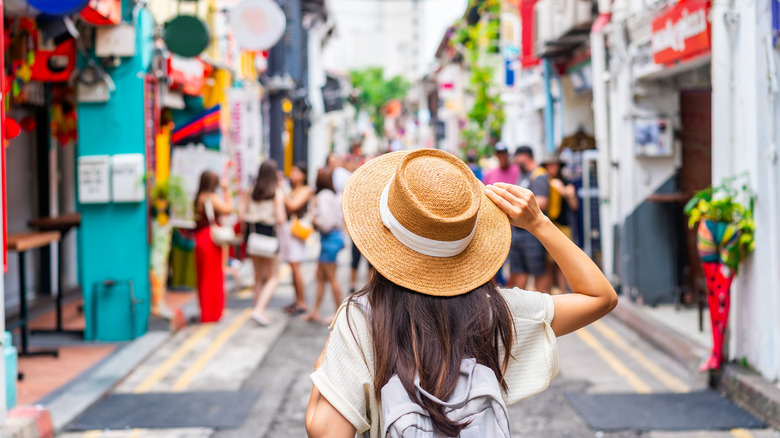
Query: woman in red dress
{"type": "Point", "coordinates": [208, 255]}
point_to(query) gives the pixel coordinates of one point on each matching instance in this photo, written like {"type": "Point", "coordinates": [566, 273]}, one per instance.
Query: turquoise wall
{"type": "Point", "coordinates": [113, 237]}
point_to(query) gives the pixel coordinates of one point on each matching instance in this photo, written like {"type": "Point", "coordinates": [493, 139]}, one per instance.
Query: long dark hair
{"type": "Point", "coordinates": [301, 165]}
{"type": "Point", "coordinates": [267, 181]}
{"type": "Point", "coordinates": [421, 334]}
{"type": "Point", "coordinates": [325, 179]}
{"type": "Point", "coordinates": [209, 181]}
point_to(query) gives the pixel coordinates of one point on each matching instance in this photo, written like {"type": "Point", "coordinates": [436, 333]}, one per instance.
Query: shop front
{"type": "Point", "coordinates": [660, 153]}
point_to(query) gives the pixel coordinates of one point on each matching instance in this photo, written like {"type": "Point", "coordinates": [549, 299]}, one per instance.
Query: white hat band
{"type": "Point", "coordinates": [429, 247]}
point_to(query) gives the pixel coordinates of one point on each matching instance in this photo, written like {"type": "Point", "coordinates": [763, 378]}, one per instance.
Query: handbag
{"type": "Point", "coordinates": [301, 229]}
{"type": "Point", "coordinates": [219, 235]}
{"type": "Point", "coordinates": [260, 245]}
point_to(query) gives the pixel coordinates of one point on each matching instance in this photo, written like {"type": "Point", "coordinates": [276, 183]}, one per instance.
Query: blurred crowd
{"type": "Point", "coordinates": [281, 214]}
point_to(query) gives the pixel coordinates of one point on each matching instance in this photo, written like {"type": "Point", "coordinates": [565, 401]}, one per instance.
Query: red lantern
{"type": "Point", "coordinates": [12, 129]}
{"type": "Point", "coordinates": [28, 123]}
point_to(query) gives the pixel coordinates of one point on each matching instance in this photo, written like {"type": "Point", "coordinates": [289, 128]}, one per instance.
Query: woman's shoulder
{"type": "Point", "coordinates": [529, 305]}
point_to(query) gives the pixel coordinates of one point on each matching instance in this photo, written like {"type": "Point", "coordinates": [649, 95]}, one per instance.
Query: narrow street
{"type": "Point", "coordinates": [237, 379]}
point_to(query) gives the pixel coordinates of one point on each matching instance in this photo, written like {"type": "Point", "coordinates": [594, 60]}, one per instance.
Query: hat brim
{"type": "Point", "coordinates": [438, 276]}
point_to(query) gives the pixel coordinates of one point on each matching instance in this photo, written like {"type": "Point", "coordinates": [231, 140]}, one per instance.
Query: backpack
{"type": "Point", "coordinates": [476, 398]}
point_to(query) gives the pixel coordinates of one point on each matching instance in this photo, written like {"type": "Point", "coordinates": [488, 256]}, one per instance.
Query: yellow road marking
{"type": "Point", "coordinates": [92, 434]}
{"type": "Point", "coordinates": [163, 369]}
{"type": "Point", "coordinates": [136, 434]}
{"type": "Point", "coordinates": [617, 366]}
{"type": "Point", "coordinates": [186, 378]}
{"type": "Point", "coordinates": [671, 382]}
{"type": "Point", "coordinates": [741, 433]}
{"type": "Point", "coordinates": [245, 293]}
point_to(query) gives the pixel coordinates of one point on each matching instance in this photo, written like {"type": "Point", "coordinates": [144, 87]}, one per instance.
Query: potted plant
{"type": "Point", "coordinates": [168, 199]}
{"type": "Point", "coordinates": [724, 238]}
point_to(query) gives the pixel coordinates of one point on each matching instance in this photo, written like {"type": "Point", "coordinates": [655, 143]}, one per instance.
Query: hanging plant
{"type": "Point", "coordinates": [721, 204]}
{"type": "Point", "coordinates": [477, 34]}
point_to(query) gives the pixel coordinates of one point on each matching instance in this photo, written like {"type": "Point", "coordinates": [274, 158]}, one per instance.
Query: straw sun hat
{"type": "Point", "coordinates": [423, 221]}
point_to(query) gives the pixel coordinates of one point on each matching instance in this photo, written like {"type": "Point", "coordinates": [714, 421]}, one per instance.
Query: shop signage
{"type": "Point", "coordinates": [681, 33]}
{"type": "Point", "coordinates": [332, 95]}
{"type": "Point", "coordinates": [187, 73]}
{"type": "Point", "coordinates": [103, 12]}
{"type": "Point", "coordinates": [257, 24]}
{"type": "Point", "coordinates": [245, 133]}
{"type": "Point", "coordinates": [58, 7]}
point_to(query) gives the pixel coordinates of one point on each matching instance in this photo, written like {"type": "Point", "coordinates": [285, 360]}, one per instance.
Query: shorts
{"type": "Point", "coordinates": [330, 245]}
{"type": "Point", "coordinates": [527, 255]}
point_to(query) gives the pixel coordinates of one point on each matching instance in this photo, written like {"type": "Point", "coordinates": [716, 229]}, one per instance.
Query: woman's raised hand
{"type": "Point", "coordinates": [518, 203]}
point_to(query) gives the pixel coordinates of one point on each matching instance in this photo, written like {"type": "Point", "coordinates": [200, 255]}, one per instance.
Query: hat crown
{"type": "Point", "coordinates": [435, 195]}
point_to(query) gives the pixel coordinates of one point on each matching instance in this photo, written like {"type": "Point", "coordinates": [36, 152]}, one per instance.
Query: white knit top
{"type": "Point", "coordinates": [346, 376]}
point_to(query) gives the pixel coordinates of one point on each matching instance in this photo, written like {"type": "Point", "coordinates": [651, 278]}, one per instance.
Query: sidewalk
{"type": "Point", "coordinates": [679, 337]}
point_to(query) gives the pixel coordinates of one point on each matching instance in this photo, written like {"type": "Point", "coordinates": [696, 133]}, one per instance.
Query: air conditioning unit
{"type": "Point", "coordinates": [543, 20]}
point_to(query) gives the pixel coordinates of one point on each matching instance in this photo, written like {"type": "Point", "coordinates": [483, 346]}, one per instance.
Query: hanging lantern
{"type": "Point", "coordinates": [12, 129]}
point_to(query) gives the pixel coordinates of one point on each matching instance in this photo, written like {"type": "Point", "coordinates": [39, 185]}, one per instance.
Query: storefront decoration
{"type": "Point", "coordinates": [725, 237]}
{"type": "Point", "coordinates": [245, 134]}
{"type": "Point", "coordinates": [186, 35]}
{"type": "Point", "coordinates": [103, 12]}
{"type": "Point", "coordinates": [189, 74]}
{"type": "Point", "coordinates": [30, 61]}
{"type": "Point", "coordinates": [257, 24]}
{"type": "Point", "coordinates": [166, 196]}
{"type": "Point", "coordinates": [201, 126]}
{"type": "Point", "coordinates": [58, 7]}
{"type": "Point", "coordinates": [681, 33]}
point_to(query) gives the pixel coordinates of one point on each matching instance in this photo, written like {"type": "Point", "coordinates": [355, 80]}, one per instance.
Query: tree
{"type": "Point", "coordinates": [477, 34]}
{"type": "Point", "coordinates": [373, 92]}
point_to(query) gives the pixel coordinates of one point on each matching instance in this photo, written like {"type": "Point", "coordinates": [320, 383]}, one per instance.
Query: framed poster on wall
{"type": "Point", "coordinates": [653, 137]}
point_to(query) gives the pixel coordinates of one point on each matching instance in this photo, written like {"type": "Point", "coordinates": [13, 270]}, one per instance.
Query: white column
{"type": "Point", "coordinates": [723, 115]}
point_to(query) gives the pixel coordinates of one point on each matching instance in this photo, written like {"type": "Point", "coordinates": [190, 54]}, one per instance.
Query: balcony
{"type": "Point", "coordinates": [561, 26]}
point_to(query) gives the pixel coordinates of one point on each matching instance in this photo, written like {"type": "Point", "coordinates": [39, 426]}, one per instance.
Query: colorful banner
{"type": "Point", "coordinates": [681, 33]}
{"type": "Point", "coordinates": [245, 134]}
{"type": "Point", "coordinates": [206, 123]}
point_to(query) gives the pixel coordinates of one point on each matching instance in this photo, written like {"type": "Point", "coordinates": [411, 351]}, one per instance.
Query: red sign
{"type": "Point", "coordinates": [527, 58]}
{"type": "Point", "coordinates": [189, 74]}
{"type": "Point", "coordinates": [103, 12]}
{"type": "Point", "coordinates": [2, 150]}
{"type": "Point", "coordinates": [682, 32]}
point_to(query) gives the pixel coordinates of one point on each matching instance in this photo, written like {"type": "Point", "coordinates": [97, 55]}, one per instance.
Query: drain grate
{"type": "Point", "coordinates": [701, 410]}
{"type": "Point", "coordinates": [207, 409]}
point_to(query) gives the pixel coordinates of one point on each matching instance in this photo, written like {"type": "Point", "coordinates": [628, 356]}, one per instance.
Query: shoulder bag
{"type": "Point", "coordinates": [219, 235]}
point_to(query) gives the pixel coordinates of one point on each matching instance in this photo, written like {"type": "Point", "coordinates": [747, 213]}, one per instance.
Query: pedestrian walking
{"type": "Point", "coordinates": [436, 238]}
{"type": "Point", "coordinates": [561, 205]}
{"type": "Point", "coordinates": [472, 160]}
{"type": "Point", "coordinates": [263, 210]}
{"type": "Point", "coordinates": [328, 221]}
{"type": "Point", "coordinates": [293, 244]}
{"type": "Point", "coordinates": [528, 256]}
{"type": "Point", "coordinates": [209, 256]}
{"type": "Point", "coordinates": [505, 173]}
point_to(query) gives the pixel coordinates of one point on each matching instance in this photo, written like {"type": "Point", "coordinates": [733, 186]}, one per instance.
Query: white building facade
{"type": "Point", "coordinates": [684, 95]}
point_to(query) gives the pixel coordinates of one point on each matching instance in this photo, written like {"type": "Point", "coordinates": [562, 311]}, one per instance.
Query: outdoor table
{"type": "Point", "coordinates": [62, 224]}
{"type": "Point", "coordinates": [22, 243]}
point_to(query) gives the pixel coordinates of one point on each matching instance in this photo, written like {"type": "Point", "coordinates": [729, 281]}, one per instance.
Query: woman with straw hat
{"type": "Point", "coordinates": [436, 237]}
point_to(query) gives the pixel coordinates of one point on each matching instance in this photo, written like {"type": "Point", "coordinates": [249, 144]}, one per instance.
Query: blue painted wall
{"type": "Point", "coordinates": [113, 237]}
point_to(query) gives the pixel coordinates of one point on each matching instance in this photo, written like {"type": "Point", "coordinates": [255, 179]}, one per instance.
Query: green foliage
{"type": "Point", "coordinates": [722, 204]}
{"type": "Point", "coordinates": [172, 192]}
{"type": "Point", "coordinates": [374, 91]}
{"type": "Point", "coordinates": [486, 117]}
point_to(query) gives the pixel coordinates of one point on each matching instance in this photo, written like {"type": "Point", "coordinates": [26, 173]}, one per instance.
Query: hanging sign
{"type": "Point", "coordinates": [187, 73]}
{"type": "Point", "coordinates": [245, 133]}
{"type": "Point", "coordinates": [103, 12]}
{"type": "Point", "coordinates": [186, 35]}
{"type": "Point", "coordinates": [257, 24]}
{"type": "Point", "coordinates": [681, 33]}
{"type": "Point", "coordinates": [58, 7]}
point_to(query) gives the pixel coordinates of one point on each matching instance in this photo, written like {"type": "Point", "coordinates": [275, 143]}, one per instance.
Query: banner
{"type": "Point", "coordinates": [681, 32]}
{"type": "Point", "coordinates": [187, 164]}
{"type": "Point", "coordinates": [245, 134]}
